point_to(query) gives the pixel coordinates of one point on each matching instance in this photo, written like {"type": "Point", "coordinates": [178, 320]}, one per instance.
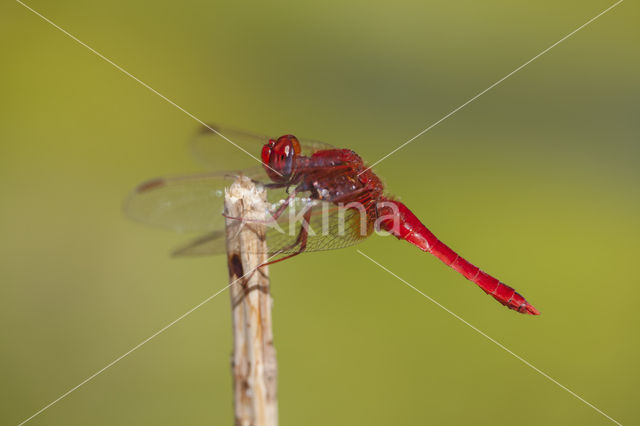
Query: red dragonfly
{"type": "Point", "coordinates": [332, 187]}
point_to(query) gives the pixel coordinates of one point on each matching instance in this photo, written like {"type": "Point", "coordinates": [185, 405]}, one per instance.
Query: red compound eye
{"type": "Point", "coordinates": [266, 151]}
{"type": "Point", "coordinates": [278, 157]}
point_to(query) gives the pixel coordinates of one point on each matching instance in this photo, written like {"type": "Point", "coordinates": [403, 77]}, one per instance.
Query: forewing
{"type": "Point", "coordinates": [182, 203]}
{"type": "Point", "coordinates": [222, 147]}
{"type": "Point", "coordinates": [328, 227]}
{"type": "Point", "coordinates": [309, 146]}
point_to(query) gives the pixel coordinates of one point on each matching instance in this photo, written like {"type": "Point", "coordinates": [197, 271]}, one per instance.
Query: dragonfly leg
{"type": "Point", "coordinates": [275, 215]}
{"type": "Point", "coordinates": [301, 239]}
{"type": "Point", "coordinates": [275, 185]}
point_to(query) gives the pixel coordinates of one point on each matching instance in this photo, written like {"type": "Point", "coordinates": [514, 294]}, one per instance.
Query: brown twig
{"type": "Point", "coordinates": [253, 364]}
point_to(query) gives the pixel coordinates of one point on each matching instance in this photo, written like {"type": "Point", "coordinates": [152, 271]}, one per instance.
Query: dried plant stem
{"type": "Point", "coordinates": [254, 364]}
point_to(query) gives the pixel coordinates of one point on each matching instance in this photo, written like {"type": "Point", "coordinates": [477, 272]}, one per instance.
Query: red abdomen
{"type": "Point", "coordinates": [401, 222]}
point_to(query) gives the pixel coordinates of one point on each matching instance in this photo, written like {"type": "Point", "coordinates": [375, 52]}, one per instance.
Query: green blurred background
{"type": "Point", "coordinates": [536, 182]}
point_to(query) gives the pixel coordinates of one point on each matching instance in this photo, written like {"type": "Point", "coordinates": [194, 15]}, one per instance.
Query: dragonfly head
{"type": "Point", "coordinates": [278, 157]}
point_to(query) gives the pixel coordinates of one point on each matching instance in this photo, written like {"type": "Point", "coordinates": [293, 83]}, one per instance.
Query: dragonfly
{"type": "Point", "coordinates": [335, 200]}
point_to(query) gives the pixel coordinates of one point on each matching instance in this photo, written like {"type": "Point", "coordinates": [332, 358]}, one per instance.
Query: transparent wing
{"type": "Point", "coordinates": [316, 225]}
{"type": "Point", "coordinates": [183, 203]}
{"type": "Point", "coordinates": [222, 147]}
{"type": "Point", "coordinates": [319, 225]}
{"type": "Point", "coordinates": [209, 244]}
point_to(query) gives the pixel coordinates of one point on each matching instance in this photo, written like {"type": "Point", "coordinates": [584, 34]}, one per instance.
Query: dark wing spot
{"type": "Point", "coordinates": [209, 128]}
{"type": "Point", "coordinates": [149, 185]}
